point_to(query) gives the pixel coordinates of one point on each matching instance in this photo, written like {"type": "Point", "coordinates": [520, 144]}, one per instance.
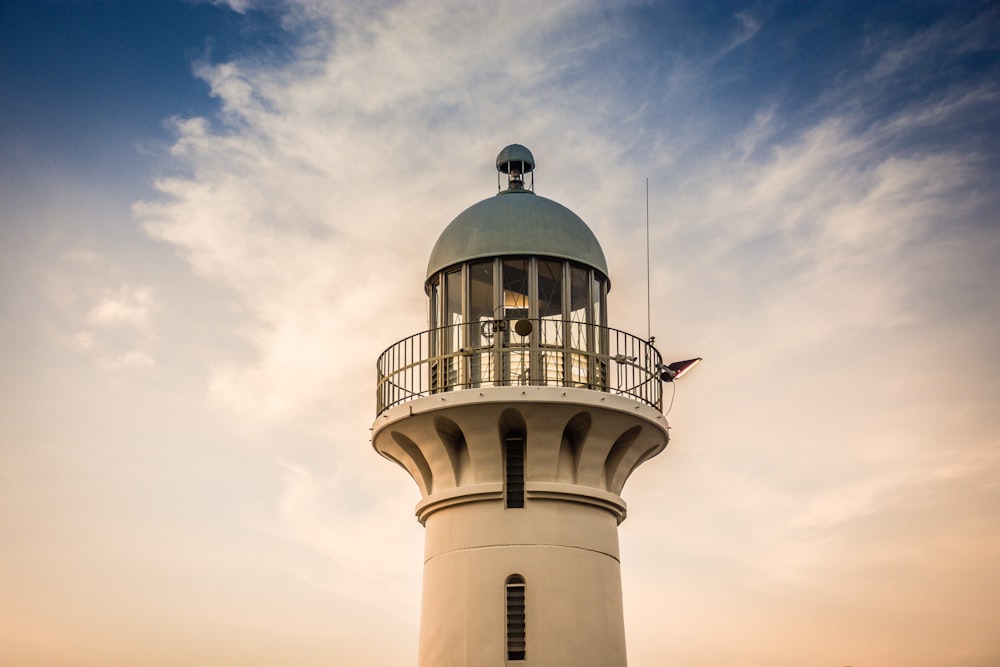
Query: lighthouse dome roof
{"type": "Point", "coordinates": [516, 222]}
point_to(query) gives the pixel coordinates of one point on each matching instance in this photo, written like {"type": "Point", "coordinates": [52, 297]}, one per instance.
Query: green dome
{"type": "Point", "coordinates": [516, 222]}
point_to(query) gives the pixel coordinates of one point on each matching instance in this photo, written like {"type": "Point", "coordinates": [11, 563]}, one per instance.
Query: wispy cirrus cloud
{"type": "Point", "coordinates": [119, 329]}
{"type": "Point", "coordinates": [821, 263]}
{"type": "Point", "coordinates": [129, 306]}
{"type": "Point", "coordinates": [89, 306]}
{"type": "Point", "coordinates": [329, 173]}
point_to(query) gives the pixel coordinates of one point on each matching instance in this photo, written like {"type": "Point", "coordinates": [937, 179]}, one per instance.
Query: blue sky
{"type": "Point", "coordinates": [91, 82]}
{"type": "Point", "coordinates": [214, 216]}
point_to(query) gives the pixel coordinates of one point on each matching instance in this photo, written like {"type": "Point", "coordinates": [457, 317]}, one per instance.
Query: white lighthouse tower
{"type": "Point", "coordinates": [520, 414]}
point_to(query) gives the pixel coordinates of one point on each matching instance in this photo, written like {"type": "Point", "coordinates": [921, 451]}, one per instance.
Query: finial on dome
{"type": "Point", "coordinates": [515, 161]}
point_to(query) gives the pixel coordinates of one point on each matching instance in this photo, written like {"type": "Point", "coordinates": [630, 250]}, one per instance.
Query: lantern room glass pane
{"type": "Point", "coordinates": [598, 296]}
{"type": "Point", "coordinates": [579, 294]}
{"type": "Point", "coordinates": [452, 331]}
{"type": "Point", "coordinates": [516, 350]}
{"type": "Point", "coordinates": [515, 288]}
{"type": "Point", "coordinates": [435, 301]}
{"type": "Point", "coordinates": [434, 342]}
{"type": "Point", "coordinates": [481, 292]}
{"type": "Point", "coordinates": [550, 289]}
{"type": "Point", "coordinates": [550, 313]}
{"type": "Point", "coordinates": [581, 334]}
{"type": "Point", "coordinates": [599, 372]}
{"type": "Point", "coordinates": [481, 331]}
{"type": "Point", "coordinates": [453, 298]}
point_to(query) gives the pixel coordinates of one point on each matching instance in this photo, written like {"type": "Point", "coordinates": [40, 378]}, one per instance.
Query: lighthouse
{"type": "Point", "coordinates": [520, 414]}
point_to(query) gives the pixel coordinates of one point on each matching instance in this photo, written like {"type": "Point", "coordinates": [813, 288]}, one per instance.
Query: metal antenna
{"type": "Point", "coordinates": [649, 326]}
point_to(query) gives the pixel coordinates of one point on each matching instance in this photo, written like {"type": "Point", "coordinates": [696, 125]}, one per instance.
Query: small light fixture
{"type": "Point", "coordinates": [676, 370]}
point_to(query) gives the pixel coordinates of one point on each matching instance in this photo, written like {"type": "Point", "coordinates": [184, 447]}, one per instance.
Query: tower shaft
{"type": "Point", "coordinates": [521, 485]}
{"type": "Point", "coordinates": [572, 587]}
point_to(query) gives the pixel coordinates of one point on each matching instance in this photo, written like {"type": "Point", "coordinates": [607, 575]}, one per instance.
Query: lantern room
{"type": "Point", "coordinates": [517, 289]}
{"type": "Point", "coordinates": [517, 286]}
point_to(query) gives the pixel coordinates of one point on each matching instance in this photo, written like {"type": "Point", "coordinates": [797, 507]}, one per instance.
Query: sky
{"type": "Point", "coordinates": [214, 216]}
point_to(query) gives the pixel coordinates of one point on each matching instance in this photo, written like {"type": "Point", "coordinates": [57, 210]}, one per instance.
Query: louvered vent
{"type": "Point", "coordinates": [515, 618]}
{"type": "Point", "coordinates": [514, 471]}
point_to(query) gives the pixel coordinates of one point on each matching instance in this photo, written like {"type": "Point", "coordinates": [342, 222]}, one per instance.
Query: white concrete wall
{"type": "Point", "coordinates": [567, 554]}
{"type": "Point", "coordinates": [581, 447]}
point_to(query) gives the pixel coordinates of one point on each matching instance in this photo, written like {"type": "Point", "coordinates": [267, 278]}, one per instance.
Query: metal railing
{"type": "Point", "coordinates": [496, 353]}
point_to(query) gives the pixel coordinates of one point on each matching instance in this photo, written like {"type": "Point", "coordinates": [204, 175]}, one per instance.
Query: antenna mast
{"type": "Point", "coordinates": [649, 326]}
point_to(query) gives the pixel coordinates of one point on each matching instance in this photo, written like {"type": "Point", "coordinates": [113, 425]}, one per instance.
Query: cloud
{"type": "Point", "coordinates": [749, 27]}
{"type": "Point", "coordinates": [88, 308]}
{"type": "Point", "coordinates": [964, 32]}
{"type": "Point", "coordinates": [132, 359]}
{"type": "Point", "coordinates": [318, 199]}
{"type": "Point", "coordinates": [129, 306]}
{"type": "Point", "coordinates": [82, 256]}
{"type": "Point", "coordinates": [821, 267]}
{"type": "Point", "coordinates": [238, 6]}
{"type": "Point", "coordinates": [120, 319]}
{"type": "Point", "coordinates": [324, 515]}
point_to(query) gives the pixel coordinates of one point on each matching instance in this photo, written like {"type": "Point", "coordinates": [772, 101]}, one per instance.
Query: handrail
{"type": "Point", "coordinates": [494, 353]}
